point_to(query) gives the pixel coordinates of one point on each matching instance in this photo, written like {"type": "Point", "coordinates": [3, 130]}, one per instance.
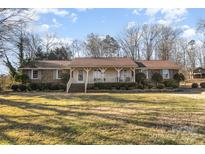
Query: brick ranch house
{"type": "Point", "coordinates": [91, 70]}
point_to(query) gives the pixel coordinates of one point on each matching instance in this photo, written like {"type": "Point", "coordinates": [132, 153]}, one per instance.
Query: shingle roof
{"type": "Point", "coordinates": [199, 70]}
{"type": "Point", "coordinates": [158, 64]}
{"type": "Point", "coordinates": [103, 62]}
{"type": "Point", "coordinates": [49, 64]}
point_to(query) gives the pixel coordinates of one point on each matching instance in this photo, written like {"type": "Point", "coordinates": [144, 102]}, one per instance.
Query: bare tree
{"type": "Point", "coordinates": [34, 45]}
{"type": "Point", "coordinates": [191, 53]}
{"type": "Point", "coordinates": [183, 44]}
{"type": "Point", "coordinates": [201, 29]}
{"type": "Point", "coordinates": [201, 26]}
{"type": "Point", "coordinates": [167, 39]}
{"type": "Point", "coordinates": [130, 42]}
{"type": "Point", "coordinates": [50, 42]}
{"type": "Point", "coordinates": [109, 46]}
{"type": "Point", "coordinates": [17, 44]}
{"type": "Point", "coordinates": [178, 54]}
{"type": "Point", "coordinates": [93, 45]}
{"type": "Point", "coordinates": [149, 39]}
{"type": "Point", "coordinates": [200, 54]}
{"type": "Point", "coordinates": [75, 47]}
{"type": "Point", "coordinates": [10, 20]}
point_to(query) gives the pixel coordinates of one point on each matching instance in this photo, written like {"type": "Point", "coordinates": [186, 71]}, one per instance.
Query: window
{"type": "Point", "coordinates": [146, 73]}
{"type": "Point", "coordinates": [165, 74]}
{"type": "Point", "coordinates": [34, 74]}
{"type": "Point", "coordinates": [59, 74]}
{"type": "Point", "coordinates": [80, 75]}
{"type": "Point", "coordinates": [124, 73]}
{"type": "Point", "coordinates": [97, 74]}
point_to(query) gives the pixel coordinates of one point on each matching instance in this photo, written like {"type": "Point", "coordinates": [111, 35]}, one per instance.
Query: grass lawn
{"type": "Point", "coordinates": [59, 118]}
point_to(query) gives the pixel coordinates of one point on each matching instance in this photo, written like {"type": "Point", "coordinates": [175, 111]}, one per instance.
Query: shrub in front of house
{"type": "Point", "coordinates": [23, 78]}
{"type": "Point", "coordinates": [194, 85]}
{"type": "Point", "coordinates": [90, 86]}
{"type": "Point", "coordinates": [110, 86]}
{"type": "Point", "coordinates": [34, 86]}
{"type": "Point", "coordinates": [14, 87]}
{"type": "Point", "coordinates": [131, 88]}
{"type": "Point", "coordinates": [140, 86]}
{"type": "Point", "coordinates": [178, 77]}
{"type": "Point", "coordinates": [140, 77]}
{"type": "Point", "coordinates": [170, 83]}
{"type": "Point", "coordinates": [157, 78]}
{"type": "Point", "coordinates": [46, 86]}
{"type": "Point", "coordinates": [54, 87]}
{"type": "Point", "coordinates": [160, 86]}
{"type": "Point", "coordinates": [65, 78]}
{"type": "Point", "coordinates": [62, 87]}
{"type": "Point", "coordinates": [147, 84]}
{"type": "Point", "coordinates": [22, 87]}
{"type": "Point", "coordinates": [202, 85]}
{"type": "Point", "coordinates": [150, 86]}
{"type": "Point", "coordinates": [19, 87]}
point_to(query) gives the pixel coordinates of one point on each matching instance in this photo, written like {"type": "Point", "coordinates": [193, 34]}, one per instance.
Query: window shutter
{"type": "Point", "coordinates": [39, 74]}
{"type": "Point", "coordinates": [54, 74]}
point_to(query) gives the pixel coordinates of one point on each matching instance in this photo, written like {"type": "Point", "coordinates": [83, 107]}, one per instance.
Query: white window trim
{"type": "Point", "coordinates": [168, 73]}
{"type": "Point", "coordinates": [57, 75]}
{"type": "Point", "coordinates": [32, 75]}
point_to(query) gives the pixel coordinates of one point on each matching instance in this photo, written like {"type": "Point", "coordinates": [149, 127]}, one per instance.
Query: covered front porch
{"type": "Point", "coordinates": [87, 75]}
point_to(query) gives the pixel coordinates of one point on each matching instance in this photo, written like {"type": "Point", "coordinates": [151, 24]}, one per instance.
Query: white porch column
{"type": "Point", "coordinates": [70, 80]}
{"type": "Point", "coordinates": [118, 73]}
{"type": "Point", "coordinates": [86, 81]}
{"type": "Point", "coordinates": [133, 70]}
{"type": "Point", "coordinates": [145, 71]}
{"type": "Point", "coordinates": [147, 74]}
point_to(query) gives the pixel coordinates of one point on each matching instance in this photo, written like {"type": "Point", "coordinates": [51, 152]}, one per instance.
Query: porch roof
{"type": "Point", "coordinates": [103, 62]}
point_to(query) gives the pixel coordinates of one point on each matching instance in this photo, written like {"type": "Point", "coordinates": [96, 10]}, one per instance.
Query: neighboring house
{"type": "Point", "coordinates": [165, 67]}
{"type": "Point", "coordinates": [91, 70]}
{"type": "Point", "coordinates": [199, 72]}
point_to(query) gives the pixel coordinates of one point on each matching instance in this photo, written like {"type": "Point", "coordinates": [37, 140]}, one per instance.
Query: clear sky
{"type": "Point", "coordinates": [69, 24]}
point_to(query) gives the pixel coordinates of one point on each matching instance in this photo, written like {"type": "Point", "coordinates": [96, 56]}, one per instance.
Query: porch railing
{"type": "Point", "coordinates": [113, 79]}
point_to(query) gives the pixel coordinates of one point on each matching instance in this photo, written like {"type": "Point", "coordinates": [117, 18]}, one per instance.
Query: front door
{"type": "Point", "coordinates": [80, 76]}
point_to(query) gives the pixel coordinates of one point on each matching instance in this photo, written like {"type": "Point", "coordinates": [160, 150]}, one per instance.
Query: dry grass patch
{"type": "Point", "coordinates": [59, 118]}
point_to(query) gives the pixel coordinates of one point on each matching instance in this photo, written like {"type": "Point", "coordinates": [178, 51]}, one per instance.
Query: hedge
{"type": "Point", "coordinates": [170, 83]}
{"type": "Point", "coordinates": [38, 87]}
{"type": "Point", "coordinates": [47, 86]}
{"type": "Point", "coordinates": [194, 85]}
{"type": "Point", "coordinates": [160, 86]}
{"type": "Point", "coordinates": [202, 85]}
{"type": "Point", "coordinates": [14, 87]}
{"type": "Point", "coordinates": [114, 85]}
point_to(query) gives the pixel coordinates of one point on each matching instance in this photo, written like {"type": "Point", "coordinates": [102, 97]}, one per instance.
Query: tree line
{"type": "Point", "coordinates": [140, 42]}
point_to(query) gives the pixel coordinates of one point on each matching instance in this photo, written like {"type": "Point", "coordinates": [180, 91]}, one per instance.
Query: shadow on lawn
{"type": "Point", "coordinates": [68, 133]}
{"type": "Point", "coordinates": [103, 98]}
{"type": "Point", "coordinates": [43, 129]}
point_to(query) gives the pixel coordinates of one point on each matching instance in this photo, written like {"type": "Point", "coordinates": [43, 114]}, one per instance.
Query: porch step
{"type": "Point", "coordinates": [77, 87]}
